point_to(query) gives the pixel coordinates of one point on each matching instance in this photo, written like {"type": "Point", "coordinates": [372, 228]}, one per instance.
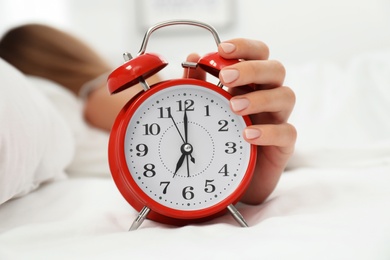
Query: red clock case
{"type": "Point", "coordinates": [129, 189]}
{"type": "Point", "coordinates": [129, 74]}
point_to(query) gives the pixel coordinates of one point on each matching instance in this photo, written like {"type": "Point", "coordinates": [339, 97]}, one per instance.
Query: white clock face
{"type": "Point", "coordinates": [184, 148]}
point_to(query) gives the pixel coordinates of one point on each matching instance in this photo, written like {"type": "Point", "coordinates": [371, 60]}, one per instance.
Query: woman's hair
{"type": "Point", "coordinates": [44, 51]}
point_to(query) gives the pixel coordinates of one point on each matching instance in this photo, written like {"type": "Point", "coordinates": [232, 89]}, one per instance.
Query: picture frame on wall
{"type": "Point", "coordinates": [218, 13]}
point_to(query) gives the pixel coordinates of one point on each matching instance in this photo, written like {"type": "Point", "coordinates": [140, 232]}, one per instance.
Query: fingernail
{"type": "Point", "coordinates": [229, 75]}
{"type": "Point", "coordinates": [251, 133]}
{"type": "Point", "coordinates": [239, 104]}
{"type": "Point", "coordinates": [228, 47]}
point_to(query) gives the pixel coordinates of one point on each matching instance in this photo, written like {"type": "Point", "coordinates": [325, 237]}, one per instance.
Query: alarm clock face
{"type": "Point", "coordinates": [184, 149]}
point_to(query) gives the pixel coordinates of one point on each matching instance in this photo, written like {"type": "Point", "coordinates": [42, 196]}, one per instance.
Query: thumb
{"type": "Point", "coordinates": [196, 73]}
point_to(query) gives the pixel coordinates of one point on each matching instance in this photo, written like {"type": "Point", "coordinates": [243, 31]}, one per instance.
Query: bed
{"type": "Point", "coordinates": [333, 201]}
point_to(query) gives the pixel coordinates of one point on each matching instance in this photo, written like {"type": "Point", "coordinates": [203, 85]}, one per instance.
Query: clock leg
{"type": "Point", "coordinates": [237, 216]}
{"type": "Point", "coordinates": [140, 218]}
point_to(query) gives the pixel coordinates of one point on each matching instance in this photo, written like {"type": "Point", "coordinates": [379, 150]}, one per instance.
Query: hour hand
{"type": "Point", "coordinates": [179, 163]}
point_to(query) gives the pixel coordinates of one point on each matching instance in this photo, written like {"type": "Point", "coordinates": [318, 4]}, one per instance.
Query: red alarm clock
{"type": "Point", "coordinates": [176, 150]}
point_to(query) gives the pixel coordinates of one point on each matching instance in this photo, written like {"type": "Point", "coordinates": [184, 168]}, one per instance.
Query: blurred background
{"type": "Point", "coordinates": [296, 31]}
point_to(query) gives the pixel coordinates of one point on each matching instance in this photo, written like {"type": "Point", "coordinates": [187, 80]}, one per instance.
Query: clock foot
{"type": "Point", "coordinates": [140, 218]}
{"type": "Point", "coordinates": [237, 216]}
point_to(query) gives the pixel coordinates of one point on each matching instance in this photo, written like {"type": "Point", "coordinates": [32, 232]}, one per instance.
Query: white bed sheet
{"type": "Point", "coordinates": [331, 213]}
{"type": "Point", "coordinates": [333, 203]}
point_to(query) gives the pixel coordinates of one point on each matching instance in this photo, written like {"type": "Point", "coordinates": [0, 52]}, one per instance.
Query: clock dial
{"type": "Point", "coordinates": [184, 149]}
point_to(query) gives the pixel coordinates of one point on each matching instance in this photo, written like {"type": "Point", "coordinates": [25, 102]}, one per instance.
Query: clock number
{"type": "Point", "coordinates": [187, 193]}
{"type": "Point", "coordinates": [223, 124]}
{"type": "Point", "coordinates": [142, 150]}
{"type": "Point", "coordinates": [188, 105]}
{"type": "Point", "coordinates": [207, 110]}
{"type": "Point", "coordinates": [149, 170]}
{"type": "Point", "coordinates": [231, 148]}
{"type": "Point", "coordinates": [165, 112]}
{"type": "Point", "coordinates": [153, 129]}
{"type": "Point", "coordinates": [209, 188]}
{"type": "Point", "coordinates": [224, 170]}
{"type": "Point", "coordinates": [166, 184]}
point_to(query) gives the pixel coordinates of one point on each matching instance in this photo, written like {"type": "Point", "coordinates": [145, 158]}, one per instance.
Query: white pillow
{"type": "Point", "coordinates": [36, 144]}
{"type": "Point", "coordinates": [91, 144]}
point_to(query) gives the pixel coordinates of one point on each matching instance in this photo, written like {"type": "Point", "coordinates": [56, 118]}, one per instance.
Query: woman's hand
{"type": "Point", "coordinates": [269, 106]}
{"type": "Point", "coordinates": [267, 102]}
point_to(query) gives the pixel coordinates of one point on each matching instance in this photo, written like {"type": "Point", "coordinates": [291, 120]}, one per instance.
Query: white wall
{"type": "Point", "coordinates": [296, 31]}
{"type": "Point", "coordinates": [304, 29]}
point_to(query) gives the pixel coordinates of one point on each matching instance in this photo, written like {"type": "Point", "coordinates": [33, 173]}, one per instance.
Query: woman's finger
{"type": "Point", "coordinates": [195, 73]}
{"type": "Point", "coordinates": [269, 72]}
{"type": "Point", "coordinates": [278, 101]}
{"type": "Point", "coordinates": [241, 48]}
{"type": "Point", "coordinates": [282, 135]}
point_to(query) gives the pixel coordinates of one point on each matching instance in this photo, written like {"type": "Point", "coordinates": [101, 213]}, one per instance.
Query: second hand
{"type": "Point", "coordinates": [181, 136]}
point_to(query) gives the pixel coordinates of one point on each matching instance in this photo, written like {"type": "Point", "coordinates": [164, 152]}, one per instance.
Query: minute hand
{"type": "Point", "coordinates": [185, 126]}
{"type": "Point", "coordinates": [185, 119]}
